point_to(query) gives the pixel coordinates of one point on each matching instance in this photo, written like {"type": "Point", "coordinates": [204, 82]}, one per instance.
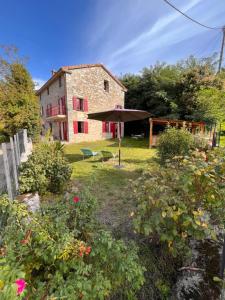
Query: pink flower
{"type": "Point", "coordinates": [21, 284]}
{"type": "Point", "coordinates": [88, 250]}
{"type": "Point", "coordinates": [76, 199]}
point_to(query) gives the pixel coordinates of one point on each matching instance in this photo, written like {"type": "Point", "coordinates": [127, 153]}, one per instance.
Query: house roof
{"type": "Point", "coordinates": [67, 69]}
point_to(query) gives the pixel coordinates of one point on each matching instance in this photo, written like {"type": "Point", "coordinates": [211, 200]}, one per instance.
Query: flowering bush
{"type": "Point", "coordinates": [45, 170]}
{"type": "Point", "coordinates": [61, 252]}
{"type": "Point", "coordinates": [183, 200]}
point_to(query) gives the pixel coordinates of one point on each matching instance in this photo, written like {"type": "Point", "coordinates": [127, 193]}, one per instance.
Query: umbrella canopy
{"type": "Point", "coordinates": [120, 115]}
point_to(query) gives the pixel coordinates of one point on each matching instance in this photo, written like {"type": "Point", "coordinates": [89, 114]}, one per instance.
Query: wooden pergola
{"type": "Point", "coordinates": [191, 126]}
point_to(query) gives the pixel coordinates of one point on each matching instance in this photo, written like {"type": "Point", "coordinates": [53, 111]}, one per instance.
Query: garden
{"type": "Point", "coordinates": [150, 230]}
{"type": "Point", "coordinates": [108, 233]}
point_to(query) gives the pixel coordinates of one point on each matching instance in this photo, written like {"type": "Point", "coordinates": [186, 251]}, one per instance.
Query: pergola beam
{"type": "Point", "coordinates": [192, 126]}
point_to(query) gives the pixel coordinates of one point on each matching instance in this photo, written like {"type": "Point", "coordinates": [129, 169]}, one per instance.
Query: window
{"type": "Point", "coordinates": [80, 104]}
{"type": "Point", "coordinates": [80, 127]}
{"type": "Point", "coordinates": [42, 111]}
{"type": "Point", "coordinates": [106, 85]}
{"type": "Point", "coordinates": [60, 81]}
{"type": "Point", "coordinates": [47, 90]}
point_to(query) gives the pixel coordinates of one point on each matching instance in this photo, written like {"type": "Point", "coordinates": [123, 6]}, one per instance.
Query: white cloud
{"type": "Point", "coordinates": [153, 37]}
{"type": "Point", "coordinates": [38, 82]}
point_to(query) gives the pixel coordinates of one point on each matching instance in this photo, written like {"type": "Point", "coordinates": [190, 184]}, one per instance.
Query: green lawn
{"type": "Point", "coordinates": [222, 141]}
{"type": "Point", "coordinates": [110, 185]}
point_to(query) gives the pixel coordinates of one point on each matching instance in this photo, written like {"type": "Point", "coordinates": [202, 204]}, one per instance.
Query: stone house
{"type": "Point", "coordinates": [74, 91]}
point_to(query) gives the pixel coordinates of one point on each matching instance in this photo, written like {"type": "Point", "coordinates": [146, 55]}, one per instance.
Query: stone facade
{"type": "Point", "coordinates": [51, 96]}
{"type": "Point", "coordinates": [94, 85]}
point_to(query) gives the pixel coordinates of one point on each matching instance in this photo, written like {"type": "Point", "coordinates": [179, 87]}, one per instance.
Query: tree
{"type": "Point", "coordinates": [176, 91]}
{"type": "Point", "coordinates": [18, 102]}
{"type": "Point", "coordinates": [210, 105]}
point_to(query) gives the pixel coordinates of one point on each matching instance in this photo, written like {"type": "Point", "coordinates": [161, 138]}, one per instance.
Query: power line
{"type": "Point", "coordinates": [193, 20]}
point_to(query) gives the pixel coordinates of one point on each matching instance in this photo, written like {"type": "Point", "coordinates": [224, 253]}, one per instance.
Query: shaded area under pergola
{"type": "Point", "coordinates": [192, 126]}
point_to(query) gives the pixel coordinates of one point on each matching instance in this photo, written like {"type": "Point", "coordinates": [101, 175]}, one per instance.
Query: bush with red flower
{"type": "Point", "coordinates": [61, 252]}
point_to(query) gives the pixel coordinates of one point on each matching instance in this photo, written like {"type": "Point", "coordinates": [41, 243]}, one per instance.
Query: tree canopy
{"type": "Point", "coordinates": [188, 90]}
{"type": "Point", "coordinates": [18, 104]}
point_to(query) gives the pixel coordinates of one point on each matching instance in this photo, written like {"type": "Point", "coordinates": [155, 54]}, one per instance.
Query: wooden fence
{"type": "Point", "coordinates": [11, 155]}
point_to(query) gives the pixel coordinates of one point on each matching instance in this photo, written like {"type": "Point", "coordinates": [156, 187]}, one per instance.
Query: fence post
{"type": "Point", "coordinates": [25, 141]}
{"type": "Point", "coordinates": [17, 148]}
{"type": "Point", "coordinates": [18, 145]}
{"type": "Point", "coordinates": [7, 171]}
{"type": "Point", "coordinates": [14, 163]}
{"type": "Point", "coordinates": [16, 151]}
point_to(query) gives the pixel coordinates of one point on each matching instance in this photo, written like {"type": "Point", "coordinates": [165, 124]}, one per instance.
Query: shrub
{"type": "Point", "coordinates": [61, 252]}
{"type": "Point", "coordinates": [182, 201]}
{"type": "Point", "coordinates": [174, 142]}
{"type": "Point", "coordinates": [45, 170]}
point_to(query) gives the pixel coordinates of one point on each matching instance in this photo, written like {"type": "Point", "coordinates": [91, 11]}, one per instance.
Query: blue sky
{"type": "Point", "coordinates": [125, 35]}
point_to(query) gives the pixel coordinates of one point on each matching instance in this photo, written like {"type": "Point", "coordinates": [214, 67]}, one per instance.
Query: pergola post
{"type": "Point", "coordinates": [202, 128]}
{"type": "Point", "coordinates": [150, 132]}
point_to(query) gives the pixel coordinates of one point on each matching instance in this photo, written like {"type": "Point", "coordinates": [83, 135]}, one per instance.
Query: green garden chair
{"type": "Point", "coordinates": [106, 155]}
{"type": "Point", "coordinates": [88, 153]}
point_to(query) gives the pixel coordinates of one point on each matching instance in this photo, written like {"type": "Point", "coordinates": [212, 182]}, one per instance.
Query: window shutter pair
{"type": "Point", "coordinates": [75, 103]}
{"type": "Point", "coordinates": [75, 127]}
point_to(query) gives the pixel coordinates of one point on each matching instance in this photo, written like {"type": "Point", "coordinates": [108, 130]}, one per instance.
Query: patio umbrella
{"type": "Point", "coordinates": [120, 115]}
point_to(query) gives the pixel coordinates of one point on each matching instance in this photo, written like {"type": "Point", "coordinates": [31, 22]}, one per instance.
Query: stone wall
{"type": "Point", "coordinates": [55, 93]}
{"type": "Point", "coordinates": [89, 83]}
{"type": "Point", "coordinates": [82, 83]}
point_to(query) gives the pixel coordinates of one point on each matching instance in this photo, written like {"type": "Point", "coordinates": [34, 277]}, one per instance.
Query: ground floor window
{"type": "Point", "coordinates": [80, 127]}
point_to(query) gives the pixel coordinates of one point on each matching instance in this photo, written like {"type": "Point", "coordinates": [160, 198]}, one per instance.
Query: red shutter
{"type": "Point", "coordinates": [103, 127]}
{"type": "Point", "coordinates": [85, 127]}
{"type": "Point", "coordinates": [74, 103]}
{"type": "Point", "coordinates": [75, 127]}
{"type": "Point", "coordinates": [63, 103]}
{"type": "Point", "coordinates": [85, 104]}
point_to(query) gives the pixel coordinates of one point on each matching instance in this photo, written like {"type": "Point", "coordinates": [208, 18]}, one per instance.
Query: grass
{"type": "Point", "coordinates": [222, 141]}
{"type": "Point", "coordinates": [112, 188]}
{"type": "Point", "coordinates": [110, 185]}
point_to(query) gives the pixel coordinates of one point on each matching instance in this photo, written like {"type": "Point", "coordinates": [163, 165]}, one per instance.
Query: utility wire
{"type": "Point", "coordinates": [193, 20]}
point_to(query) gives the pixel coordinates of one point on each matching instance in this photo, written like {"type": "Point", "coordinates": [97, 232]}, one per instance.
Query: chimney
{"type": "Point", "coordinates": [53, 72]}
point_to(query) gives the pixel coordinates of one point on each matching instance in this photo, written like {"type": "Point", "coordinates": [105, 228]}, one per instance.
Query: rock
{"type": "Point", "coordinates": [32, 200]}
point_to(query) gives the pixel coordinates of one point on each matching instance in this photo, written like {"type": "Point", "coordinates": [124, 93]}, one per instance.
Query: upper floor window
{"type": "Point", "coordinates": [48, 90]}
{"type": "Point", "coordinates": [80, 104]}
{"type": "Point", "coordinates": [106, 85]}
{"type": "Point", "coordinates": [60, 81]}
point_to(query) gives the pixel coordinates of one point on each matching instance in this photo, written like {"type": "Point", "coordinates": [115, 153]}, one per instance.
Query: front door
{"type": "Point", "coordinates": [113, 129]}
